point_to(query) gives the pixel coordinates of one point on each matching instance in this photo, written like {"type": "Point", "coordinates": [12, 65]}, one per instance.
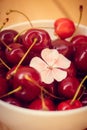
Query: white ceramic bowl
{"type": "Point", "coordinates": [16, 118]}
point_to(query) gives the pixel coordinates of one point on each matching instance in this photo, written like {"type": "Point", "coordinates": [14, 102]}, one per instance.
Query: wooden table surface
{"type": "Point", "coordinates": [42, 9]}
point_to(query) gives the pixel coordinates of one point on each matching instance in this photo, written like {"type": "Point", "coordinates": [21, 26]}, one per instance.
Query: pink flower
{"type": "Point", "coordinates": [51, 65]}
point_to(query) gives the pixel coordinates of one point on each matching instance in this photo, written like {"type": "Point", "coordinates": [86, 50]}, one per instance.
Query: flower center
{"type": "Point", "coordinates": [50, 67]}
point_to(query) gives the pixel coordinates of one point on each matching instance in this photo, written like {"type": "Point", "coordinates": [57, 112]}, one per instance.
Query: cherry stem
{"type": "Point", "coordinates": [22, 59]}
{"type": "Point", "coordinates": [5, 45]}
{"type": "Point", "coordinates": [76, 94]}
{"type": "Point", "coordinates": [11, 11]}
{"type": "Point", "coordinates": [81, 11]}
{"type": "Point", "coordinates": [15, 38]}
{"type": "Point", "coordinates": [4, 23]}
{"type": "Point", "coordinates": [5, 64]}
{"type": "Point", "coordinates": [44, 107]}
{"type": "Point", "coordinates": [39, 86]}
{"type": "Point", "coordinates": [11, 92]}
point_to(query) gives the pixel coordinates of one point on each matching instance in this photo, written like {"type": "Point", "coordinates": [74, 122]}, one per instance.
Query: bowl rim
{"type": "Point", "coordinates": [39, 112]}
{"type": "Point", "coordinates": [37, 22]}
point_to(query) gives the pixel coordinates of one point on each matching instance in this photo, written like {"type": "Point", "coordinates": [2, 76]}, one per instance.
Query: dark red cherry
{"type": "Point", "coordinates": [45, 104]}
{"type": "Point", "coordinates": [83, 99]}
{"type": "Point", "coordinates": [71, 71]}
{"type": "Point", "coordinates": [15, 53]}
{"type": "Point", "coordinates": [43, 39]}
{"type": "Point", "coordinates": [66, 105]}
{"type": "Point", "coordinates": [7, 36]}
{"type": "Point", "coordinates": [80, 58]}
{"type": "Point", "coordinates": [26, 77]}
{"type": "Point", "coordinates": [13, 101]}
{"type": "Point", "coordinates": [64, 47]}
{"type": "Point", "coordinates": [3, 86]}
{"type": "Point", "coordinates": [67, 88]}
{"type": "Point", "coordinates": [79, 39]}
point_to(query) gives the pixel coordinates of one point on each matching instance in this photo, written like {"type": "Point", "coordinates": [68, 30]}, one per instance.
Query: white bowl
{"type": "Point", "coordinates": [16, 118]}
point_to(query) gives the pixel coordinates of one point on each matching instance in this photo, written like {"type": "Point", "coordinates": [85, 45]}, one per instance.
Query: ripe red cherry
{"type": "Point", "coordinates": [71, 71]}
{"type": "Point", "coordinates": [64, 27]}
{"type": "Point", "coordinates": [7, 36]}
{"type": "Point", "coordinates": [66, 105]}
{"type": "Point", "coordinates": [67, 88]}
{"type": "Point", "coordinates": [15, 53]}
{"type": "Point", "coordinates": [79, 39]}
{"type": "Point", "coordinates": [43, 39]}
{"type": "Point", "coordinates": [64, 47]}
{"type": "Point", "coordinates": [25, 77]}
{"type": "Point", "coordinates": [13, 101]}
{"type": "Point", "coordinates": [83, 99]}
{"type": "Point", "coordinates": [80, 58]}
{"type": "Point", "coordinates": [38, 104]}
{"type": "Point", "coordinates": [3, 86]}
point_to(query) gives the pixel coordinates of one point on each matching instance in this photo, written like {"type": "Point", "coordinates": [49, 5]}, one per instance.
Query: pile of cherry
{"type": "Point", "coordinates": [22, 85]}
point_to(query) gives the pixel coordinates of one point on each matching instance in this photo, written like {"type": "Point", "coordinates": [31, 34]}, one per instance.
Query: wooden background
{"type": "Point", "coordinates": [43, 9]}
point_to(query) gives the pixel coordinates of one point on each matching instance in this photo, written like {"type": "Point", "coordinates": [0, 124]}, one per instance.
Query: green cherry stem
{"type": "Point", "coordinates": [75, 96]}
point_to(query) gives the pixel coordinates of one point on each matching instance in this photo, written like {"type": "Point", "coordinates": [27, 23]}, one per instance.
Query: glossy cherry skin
{"type": "Point", "coordinates": [79, 39]}
{"type": "Point", "coordinates": [71, 71]}
{"type": "Point", "coordinates": [7, 36]}
{"type": "Point", "coordinates": [64, 47]}
{"type": "Point", "coordinates": [29, 90]}
{"type": "Point", "coordinates": [15, 54]}
{"type": "Point", "coordinates": [38, 104]}
{"type": "Point", "coordinates": [3, 86]}
{"type": "Point", "coordinates": [83, 99]}
{"type": "Point", "coordinates": [67, 87]}
{"type": "Point", "coordinates": [66, 105]}
{"type": "Point", "coordinates": [64, 27]}
{"type": "Point", "coordinates": [13, 101]}
{"type": "Point", "coordinates": [43, 39]}
{"type": "Point", "coordinates": [80, 58]}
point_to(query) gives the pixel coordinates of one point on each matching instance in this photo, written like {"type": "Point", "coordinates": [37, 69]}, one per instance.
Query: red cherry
{"type": "Point", "coordinates": [7, 36]}
{"type": "Point", "coordinates": [80, 58]}
{"type": "Point", "coordinates": [43, 39]}
{"type": "Point", "coordinates": [3, 86]}
{"type": "Point", "coordinates": [79, 39]}
{"type": "Point", "coordinates": [25, 77]}
{"type": "Point", "coordinates": [64, 27]}
{"type": "Point", "coordinates": [13, 101]}
{"type": "Point", "coordinates": [71, 71]}
{"type": "Point", "coordinates": [38, 104]}
{"type": "Point", "coordinates": [83, 98]}
{"type": "Point", "coordinates": [15, 53]}
{"type": "Point", "coordinates": [67, 88]}
{"type": "Point", "coordinates": [66, 105]}
{"type": "Point", "coordinates": [64, 47]}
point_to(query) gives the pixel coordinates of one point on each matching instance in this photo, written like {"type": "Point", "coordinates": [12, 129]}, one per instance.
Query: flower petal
{"type": "Point", "coordinates": [50, 56]}
{"type": "Point", "coordinates": [47, 76]}
{"type": "Point", "coordinates": [62, 62]}
{"type": "Point", "coordinates": [59, 74]}
{"type": "Point", "coordinates": [38, 64]}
